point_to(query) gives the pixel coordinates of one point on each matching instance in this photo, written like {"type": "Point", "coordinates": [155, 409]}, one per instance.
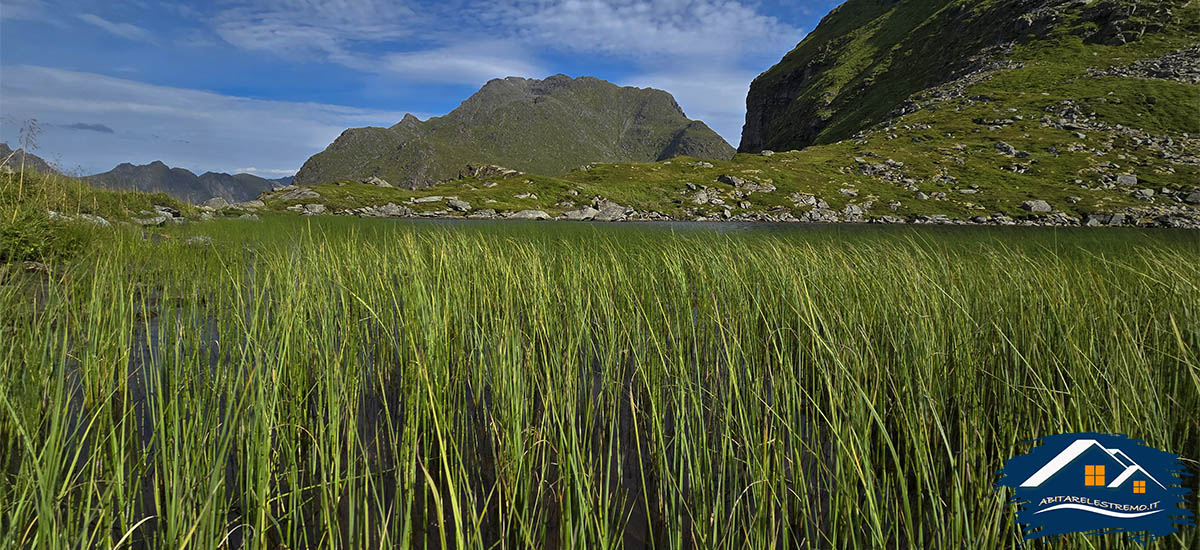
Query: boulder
{"type": "Point", "coordinates": [389, 210]}
{"type": "Point", "coordinates": [1127, 180]}
{"type": "Point", "coordinates": [1144, 194]}
{"type": "Point", "coordinates": [803, 199]}
{"type": "Point", "coordinates": [529, 215]}
{"type": "Point", "coordinates": [198, 241]}
{"type": "Point", "coordinates": [1006, 148]}
{"type": "Point", "coordinates": [460, 205]}
{"type": "Point", "coordinates": [376, 181]}
{"type": "Point", "coordinates": [767, 153]}
{"type": "Point", "coordinates": [167, 211]}
{"type": "Point", "coordinates": [820, 215]}
{"type": "Point", "coordinates": [430, 198]}
{"type": "Point", "coordinates": [1036, 206]}
{"type": "Point", "coordinates": [853, 213]}
{"type": "Point", "coordinates": [583, 214]}
{"type": "Point", "coordinates": [298, 193]}
{"type": "Point", "coordinates": [611, 212]}
{"type": "Point", "coordinates": [731, 180]}
{"type": "Point", "coordinates": [1192, 198]}
{"type": "Point", "coordinates": [484, 214]}
{"type": "Point", "coordinates": [216, 203]}
{"type": "Point", "coordinates": [705, 196]}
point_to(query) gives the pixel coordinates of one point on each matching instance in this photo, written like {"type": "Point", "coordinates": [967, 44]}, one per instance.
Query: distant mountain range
{"type": "Point", "coordinates": [15, 160]}
{"type": "Point", "coordinates": [182, 184]}
{"type": "Point", "coordinates": [546, 126]}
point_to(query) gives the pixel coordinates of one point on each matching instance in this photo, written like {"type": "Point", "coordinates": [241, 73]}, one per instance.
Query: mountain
{"type": "Point", "coordinates": [14, 160]}
{"type": "Point", "coordinates": [546, 126]}
{"type": "Point", "coordinates": [180, 183]}
{"type": "Point", "coordinates": [867, 57]}
{"type": "Point", "coordinates": [286, 180]}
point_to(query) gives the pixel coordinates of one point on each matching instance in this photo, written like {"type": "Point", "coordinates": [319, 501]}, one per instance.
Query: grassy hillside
{"type": "Point", "coordinates": [543, 126]}
{"type": "Point", "coordinates": [45, 217]}
{"type": "Point", "coordinates": [867, 56]}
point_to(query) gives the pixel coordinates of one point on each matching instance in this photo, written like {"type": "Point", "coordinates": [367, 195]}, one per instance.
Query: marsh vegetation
{"type": "Point", "coordinates": [350, 384]}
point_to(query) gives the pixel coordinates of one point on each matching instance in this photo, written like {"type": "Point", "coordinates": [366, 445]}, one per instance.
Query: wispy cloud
{"type": "Point", "coordinates": [328, 28]}
{"type": "Point", "coordinates": [182, 127]}
{"type": "Point", "coordinates": [278, 172]}
{"type": "Point", "coordinates": [469, 63]}
{"type": "Point", "coordinates": [127, 31]}
{"type": "Point", "coordinates": [645, 29]}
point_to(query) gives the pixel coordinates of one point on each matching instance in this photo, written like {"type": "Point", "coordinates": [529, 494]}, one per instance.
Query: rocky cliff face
{"type": "Point", "coordinates": [867, 57]}
{"type": "Point", "coordinates": [182, 184]}
{"type": "Point", "coordinates": [543, 126]}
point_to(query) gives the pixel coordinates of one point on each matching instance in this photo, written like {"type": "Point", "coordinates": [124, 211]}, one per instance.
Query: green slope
{"type": "Point", "coordinates": [867, 56]}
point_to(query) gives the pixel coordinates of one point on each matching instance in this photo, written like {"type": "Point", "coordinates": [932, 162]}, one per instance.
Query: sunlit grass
{"type": "Point", "coordinates": [350, 384]}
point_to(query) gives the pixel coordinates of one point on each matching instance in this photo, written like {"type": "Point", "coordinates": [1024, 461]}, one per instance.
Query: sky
{"type": "Point", "coordinates": [258, 86]}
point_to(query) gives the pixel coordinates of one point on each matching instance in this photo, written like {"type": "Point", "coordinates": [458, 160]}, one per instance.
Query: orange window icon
{"type": "Point", "coordinates": [1093, 476]}
{"type": "Point", "coordinates": [1139, 487]}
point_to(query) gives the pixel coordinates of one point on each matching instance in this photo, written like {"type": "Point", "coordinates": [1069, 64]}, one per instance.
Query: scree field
{"type": "Point", "coordinates": [339, 383]}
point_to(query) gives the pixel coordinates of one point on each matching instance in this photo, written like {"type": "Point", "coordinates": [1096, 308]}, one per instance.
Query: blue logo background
{"type": "Point", "coordinates": [1098, 484]}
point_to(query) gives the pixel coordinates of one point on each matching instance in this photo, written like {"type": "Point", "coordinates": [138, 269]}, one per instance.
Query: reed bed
{"type": "Point", "coordinates": [339, 384]}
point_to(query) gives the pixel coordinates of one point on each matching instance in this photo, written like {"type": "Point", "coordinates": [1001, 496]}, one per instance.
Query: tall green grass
{"type": "Point", "coordinates": [339, 384]}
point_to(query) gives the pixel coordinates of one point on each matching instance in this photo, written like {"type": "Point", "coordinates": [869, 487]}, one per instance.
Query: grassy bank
{"type": "Point", "coordinates": [46, 217]}
{"type": "Point", "coordinates": [346, 384]}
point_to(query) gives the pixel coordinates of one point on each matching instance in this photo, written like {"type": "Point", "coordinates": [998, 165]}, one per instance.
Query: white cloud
{"type": "Point", "coordinates": [329, 28]}
{"type": "Point", "coordinates": [645, 29]}
{"type": "Point", "coordinates": [127, 31]}
{"type": "Point", "coordinates": [189, 128]}
{"type": "Point", "coordinates": [263, 172]}
{"type": "Point", "coordinates": [470, 63]}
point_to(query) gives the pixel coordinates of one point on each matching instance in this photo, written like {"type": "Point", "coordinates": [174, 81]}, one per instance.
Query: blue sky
{"type": "Point", "coordinates": [260, 85]}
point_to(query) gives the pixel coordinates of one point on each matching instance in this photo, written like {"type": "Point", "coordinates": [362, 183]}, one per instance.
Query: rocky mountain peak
{"type": "Point", "coordinates": [546, 126]}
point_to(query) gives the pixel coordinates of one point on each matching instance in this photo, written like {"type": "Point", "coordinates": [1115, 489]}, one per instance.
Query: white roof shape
{"type": "Point", "coordinates": [1129, 473]}
{"type": "Point", "coordinates": [1078, 447]}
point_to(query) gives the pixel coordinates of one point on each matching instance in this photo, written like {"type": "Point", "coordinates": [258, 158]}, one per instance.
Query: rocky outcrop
{"type": "Point", "coordinates": [1181, 65]}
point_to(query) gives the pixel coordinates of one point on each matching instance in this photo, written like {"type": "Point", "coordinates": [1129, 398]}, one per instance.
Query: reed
{"type": "Point", "coordinates": [355, 384]}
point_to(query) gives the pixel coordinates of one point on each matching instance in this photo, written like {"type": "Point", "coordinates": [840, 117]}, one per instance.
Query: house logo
{"type": "Point", "coordinates": [1098, 484]}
